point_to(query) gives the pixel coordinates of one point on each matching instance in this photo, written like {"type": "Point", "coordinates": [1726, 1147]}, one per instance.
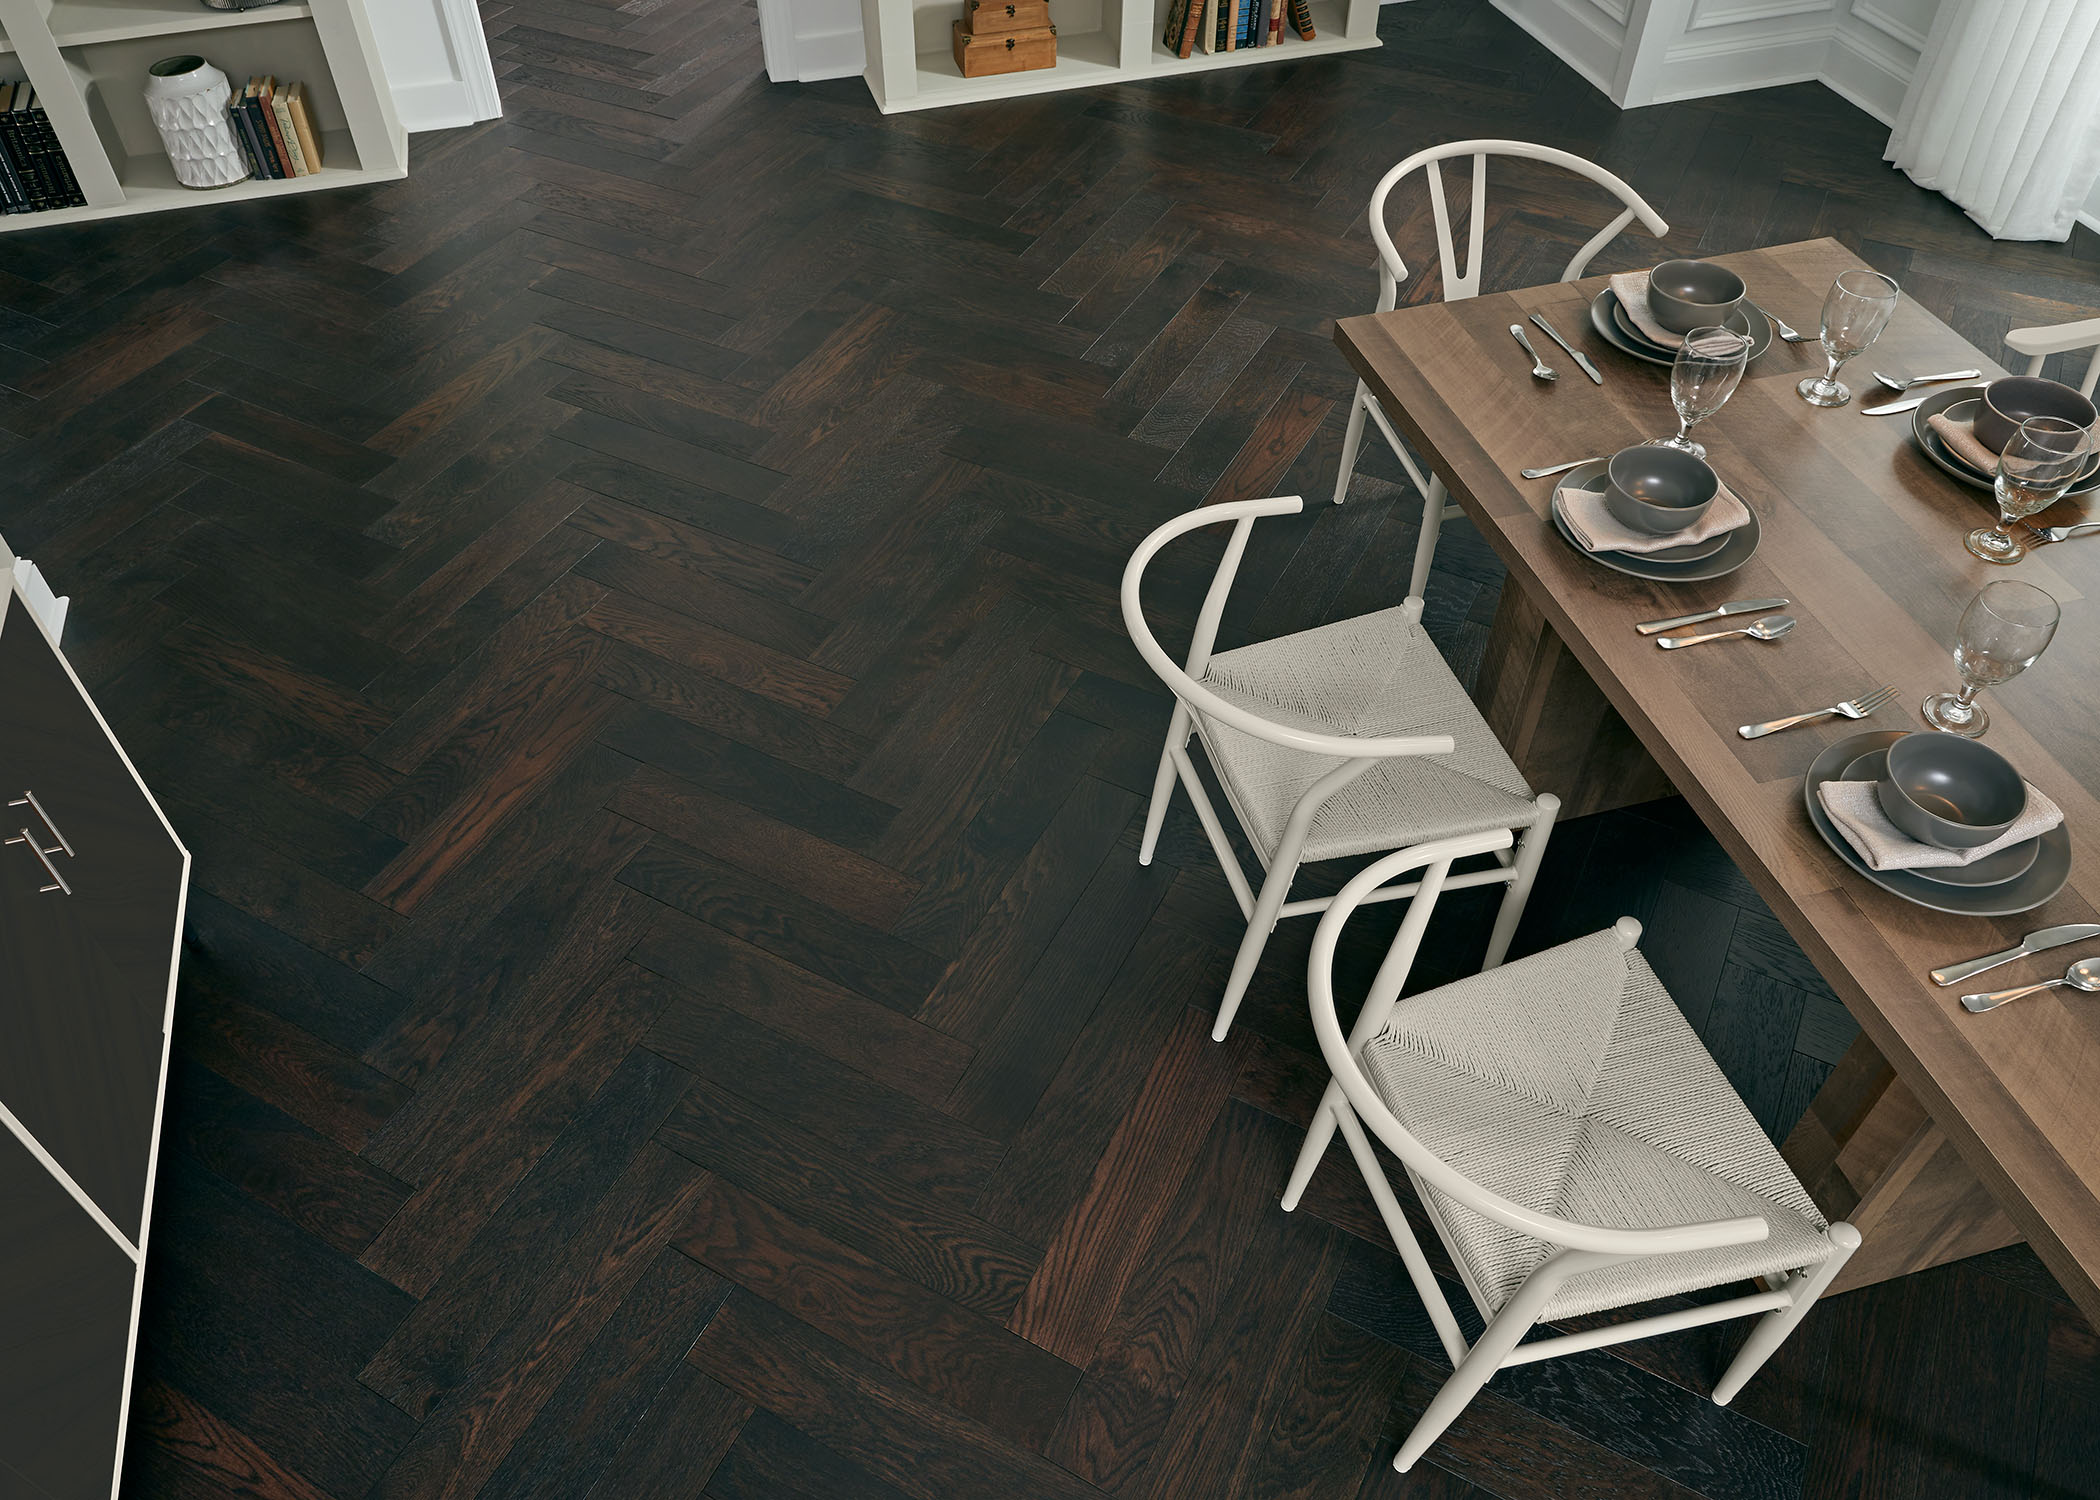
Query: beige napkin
{"type": "Point", "coordinates": [1597, 530]}
{"type": "Point", "coordinates": [1631, 288]}
{"type": "Point", "coordinates": [1856, 809]}
{"type": "Point", "coordinates": [1961, 437]}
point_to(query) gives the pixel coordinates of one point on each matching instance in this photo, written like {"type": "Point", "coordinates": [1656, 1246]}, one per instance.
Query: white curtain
{"type": "Point", "coordinates": [2004, 113]}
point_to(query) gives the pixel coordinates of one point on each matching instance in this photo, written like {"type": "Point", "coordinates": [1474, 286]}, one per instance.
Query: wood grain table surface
{"type": "Point", "coordinates": [1864, 535]}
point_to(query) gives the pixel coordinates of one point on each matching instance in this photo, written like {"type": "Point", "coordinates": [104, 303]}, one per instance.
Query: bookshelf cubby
{"type": "Point", "coordinates": [88, 62]}
{"type": "Point", "coordinates": [1098, 41]}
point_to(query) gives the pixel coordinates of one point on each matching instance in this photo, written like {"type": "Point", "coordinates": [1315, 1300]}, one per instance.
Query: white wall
{"type": "Point", "coordinates": [436, 61]}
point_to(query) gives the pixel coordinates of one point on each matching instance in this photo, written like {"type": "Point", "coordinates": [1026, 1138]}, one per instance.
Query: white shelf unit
{"type": "Point", "coordinates": [88, 61]}
{"type": "Point", "coordinates": [912, 66]}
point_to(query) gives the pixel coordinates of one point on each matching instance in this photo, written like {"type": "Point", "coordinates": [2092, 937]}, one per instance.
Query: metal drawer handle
{"type": "Point", "coordinates": [58, 880]}
{"type": "Point", "coordinates": [28, 799]}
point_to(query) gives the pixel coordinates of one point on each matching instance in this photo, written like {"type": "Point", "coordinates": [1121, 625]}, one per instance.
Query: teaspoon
{"type": "Point", "coordinates": [2083, 975]}
{"type": "Point", "coordinates": [1770, 628]}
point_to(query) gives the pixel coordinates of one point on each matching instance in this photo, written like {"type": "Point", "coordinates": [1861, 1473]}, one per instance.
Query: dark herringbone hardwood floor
{"type": "Point", "coordinates": [625, 620]}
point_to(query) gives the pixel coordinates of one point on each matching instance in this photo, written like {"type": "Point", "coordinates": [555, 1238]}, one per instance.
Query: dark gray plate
{"type": "Point", "coordinates": [1950, 403]}
{"type": "Point", "coordinates": [2051, 868]}
{"type": "Point", "coordinates": [1735, 549]}
{"type": "Point", "coordinates": [1617, 330]}
{"type": "Point", "coordinates": [1995, 869]}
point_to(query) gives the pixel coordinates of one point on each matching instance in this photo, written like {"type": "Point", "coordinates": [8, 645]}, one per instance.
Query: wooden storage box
{"type": "Point", "coordinates": [1012, 52]}
{"type": "Point", "coordinates": [998, 17]}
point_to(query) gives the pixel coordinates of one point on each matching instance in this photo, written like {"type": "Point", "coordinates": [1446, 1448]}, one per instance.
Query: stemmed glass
{"type": "Point", "coordinates": [1854, 314]}
{"type": "Point", "coordinates": [2001, 633]}
{"type": "Point", "coordinates": [1708, 368]}
{"type": "Point", "coordinates": [2039, 462]}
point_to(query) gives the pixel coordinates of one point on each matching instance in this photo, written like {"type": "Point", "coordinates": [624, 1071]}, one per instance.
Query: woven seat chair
{"type": "Point", "coordinates": [2059, 338]}
{"type": "Point", "coordinates": [1352, 738]}
{"type": "Point", "coordinates": [1459, 284]}
{"type": "Point", "coordinates": [1570, 1139]}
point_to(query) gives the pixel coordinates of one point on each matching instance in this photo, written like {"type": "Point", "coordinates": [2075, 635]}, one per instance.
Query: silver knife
{"type": "Point", "coordinates": [2034, 942]}
{"type": "Point", "coordinates": [1911, 403]}
{"type": "Point", "coordinates": [1579, 357]}
{"type": "Point", "coordinates": [1732, 607]}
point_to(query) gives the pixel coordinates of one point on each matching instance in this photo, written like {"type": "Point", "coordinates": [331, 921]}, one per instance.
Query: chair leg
{"type": "Point", "coordinates": [1359, 409]}
{"type": "Point", "coordinates": [1473, 1372]}
{"type": "Point", "coordinates": [1425, 544]}
{"type": "Point", "coordinates": [1163, 783]}
{"type": "Point", "coordinates": [1522, 872]}
{"type": "Point", "coordinates": [1770, 1331]}
{"type": "Point", "coordinates": [1315, 1146]}
{"type": "Point", "coordinates": [1259, 926]}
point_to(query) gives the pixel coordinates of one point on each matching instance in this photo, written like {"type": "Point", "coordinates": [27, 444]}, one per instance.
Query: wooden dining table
{"type": "Point", "coordinates": [1941, 1133]}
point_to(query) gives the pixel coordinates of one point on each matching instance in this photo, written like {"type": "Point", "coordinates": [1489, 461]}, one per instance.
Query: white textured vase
{"type": "Point", "coordinates": [187, 98]}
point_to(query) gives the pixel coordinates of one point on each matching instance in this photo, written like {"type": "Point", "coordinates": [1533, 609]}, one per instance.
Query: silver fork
{"type": "Point", "coordinates": [1851, 708]}
{"type": "Point", "coordinates": [2043, 535]}
{"type": "Point", "coordinates": [1789, 334]}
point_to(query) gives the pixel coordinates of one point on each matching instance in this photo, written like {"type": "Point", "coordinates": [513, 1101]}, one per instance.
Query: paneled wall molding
{"type": "Point", "coordinates": [1889, 25]}
{"type": "Point", "coordinates": [1616, 9]}
{"type": "Point", "coordinates": [1707, 17]}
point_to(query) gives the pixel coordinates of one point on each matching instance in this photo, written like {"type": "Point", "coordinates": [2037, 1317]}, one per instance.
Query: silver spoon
{"type": "Point", "coordinates": [1785, 332]}
{"type": "Point", "coordinates": [1902, 382]}
{"type": "Point", "coordinates": [2083, 975]}
{"type": "Point", "coordinates": [1770, 628]}
{"type": "Point", "coordinates": [1540, 370]}
{"type": "Point", "coordinates": [1573, 463]}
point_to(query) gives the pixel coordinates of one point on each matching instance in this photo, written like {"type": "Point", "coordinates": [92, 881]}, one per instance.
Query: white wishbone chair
{"type": "Point", "coordinates": [1459, 284]}
{"type": "Point", "coordinates": [1352, 738]}
{"type": "Point", "coordinates": [1570, 1139]}
{"type": "Point", "coordinates": [2056, 338]}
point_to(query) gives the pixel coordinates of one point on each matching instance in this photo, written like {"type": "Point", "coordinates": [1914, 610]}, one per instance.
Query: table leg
{"type": "Point", "coordinates": [1557, 726]}
{"type": "Point", "coordinates": [1868, 1153]}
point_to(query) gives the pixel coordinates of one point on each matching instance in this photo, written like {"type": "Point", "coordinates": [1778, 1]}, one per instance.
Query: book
{"type": "Point", "coordinates": [1207, 30]}
{"type": "Point", "coordinates": [1301, 19]}
{"type": "Point", "coordinates": [244, 132]}
{"type": "Point", "coordinates": [34, 183]}
{"type": "Point", "coordinates": [251, 106]}
{"type": "Point", "coordinates": [13, 198]}
{"type": "Point", "coordinates": [1275, 23]}
{"type": "Point", "coordinates": [1177, 18]}
{"type": "Point", "coordinates": [302, 121]}
{"type": "Point", "coordinates": [1229, 12]}
{"type": "Point", "coordinates": [287, 132]}
{"type": "Point", "coordinates": [41, 140]}
{"type": "Point", "coordinates": [1190, 27]}
{"type": "Point", "coordinates": [263, 88]}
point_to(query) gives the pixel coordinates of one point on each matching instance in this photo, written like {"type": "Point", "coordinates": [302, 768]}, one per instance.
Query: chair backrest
{"type": "Point", "coordinates": [1344, 1056]}
{"type": "Point", "coordinates": [1181, 678]}
{"type": "Point", "coordinates": [1459, 284]}
{"type": "Point", "coordinates": [2055, 338]}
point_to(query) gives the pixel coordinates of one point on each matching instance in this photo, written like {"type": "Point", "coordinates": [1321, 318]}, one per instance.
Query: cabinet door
{"type": "Point", "coordinates": [65, 1322]}
{"type": "Point", "coordinates": [83, 976]}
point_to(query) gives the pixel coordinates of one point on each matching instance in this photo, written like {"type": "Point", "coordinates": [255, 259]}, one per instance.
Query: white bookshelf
{"type": "Point", "coordinates": [911, 65]}
{"type": "Point", "coordinates": [88, 61]}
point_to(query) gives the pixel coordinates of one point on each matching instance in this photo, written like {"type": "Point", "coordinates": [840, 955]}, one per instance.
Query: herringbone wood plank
{"type": "Point", "coordinates": [626, 620]}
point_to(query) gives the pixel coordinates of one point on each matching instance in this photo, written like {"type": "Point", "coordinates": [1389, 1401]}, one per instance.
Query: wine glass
{"type": "Point", "coordinates": [2039, 462]}
{"type": "Point", "coordinates": [2001, 633]}
{"type": "Point", "coordinates": [1708, 368]}
{"type": "Point", "coordinates": [1854, 314]}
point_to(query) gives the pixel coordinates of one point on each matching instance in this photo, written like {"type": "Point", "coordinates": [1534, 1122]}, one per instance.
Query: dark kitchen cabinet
{"type": "Point", "coordinates": [91, 890]}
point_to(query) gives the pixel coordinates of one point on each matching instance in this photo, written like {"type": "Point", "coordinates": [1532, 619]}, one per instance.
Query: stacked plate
{"type": "Point", "coordinates": [1959, 405]}
{"type": "Point", "coordinates": [1619, 330]}
{"type": "Point", "coordinates": [2012, 880]}
{"type": "Point", "coordinates": [1687, 564]}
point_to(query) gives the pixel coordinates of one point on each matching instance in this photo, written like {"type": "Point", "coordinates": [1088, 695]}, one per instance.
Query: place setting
{"type": "Point", "coordinates": [1649, 314]}
{"type": "Point", "coordinates": [1934, 816]}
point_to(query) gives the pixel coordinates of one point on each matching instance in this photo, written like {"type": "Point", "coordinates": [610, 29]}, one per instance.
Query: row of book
{"type": "Point", "coordinates": [34, 172]}
{"type": "Point", "coordinates": [275, 128]}
{"type": "Point", "coordinates": [1228, 25]}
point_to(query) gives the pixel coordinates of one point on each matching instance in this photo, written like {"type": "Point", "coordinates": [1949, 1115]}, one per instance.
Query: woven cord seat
{"type": "Point", "coordinates": [1378, 674]}
{"type": "Point", "coordinates": [1572, 1142]}
{"type": "Point", "coordinates": [1570, 1082]}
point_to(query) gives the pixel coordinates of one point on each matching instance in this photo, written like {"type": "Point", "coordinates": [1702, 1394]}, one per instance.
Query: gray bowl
{"type": "Point", "coordinates": [2009, 402]}
{"type": "Point", "coordinates": [1688, 294]}
{"type": "Point", "coordinates": [1950, 792]}
{"type": "Point", "coordinates": [1658, 490]}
